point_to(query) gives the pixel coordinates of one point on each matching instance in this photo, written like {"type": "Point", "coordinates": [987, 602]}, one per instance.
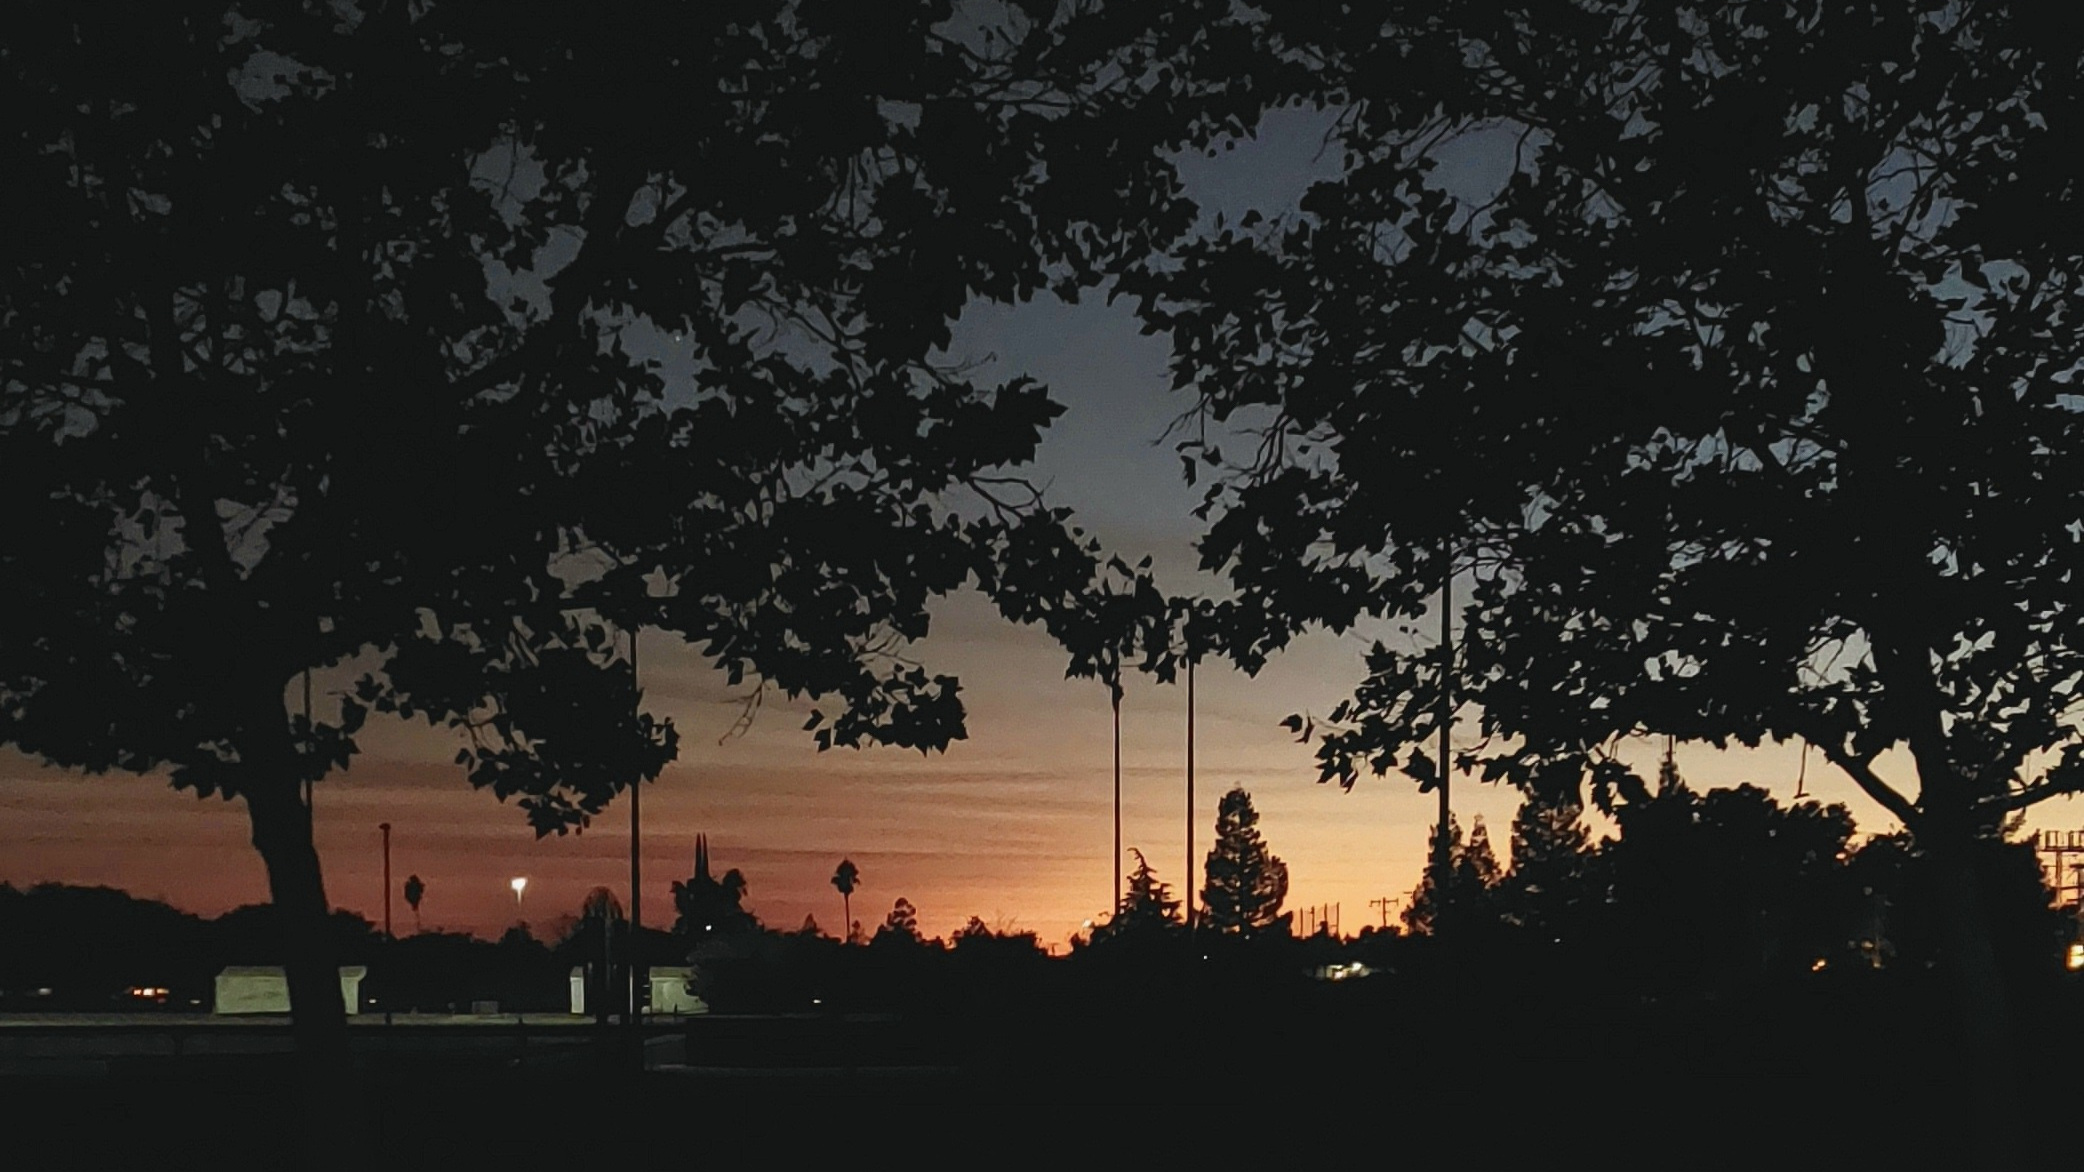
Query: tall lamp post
{"type": "Point", "coordinates": [1443, 843]}
{"type": "Point", "coordinates": [1190, 785]}
{"type": "Point", "coordinates": [386, 828]}
{"type": "Point", "coordinates": [1115, 692]}
{"type": "Point", "coordinates": [636, 856]}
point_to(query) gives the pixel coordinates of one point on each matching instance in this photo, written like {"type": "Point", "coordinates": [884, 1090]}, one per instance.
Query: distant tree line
{"type": "Point", "coordinates": [1707, 893]}
{"type": "Point", "coordinates": [1697, 894]}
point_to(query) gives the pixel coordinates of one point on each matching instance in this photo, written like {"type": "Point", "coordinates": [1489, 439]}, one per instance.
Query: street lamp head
{"type": "Point", "coordinates": [519, 885]}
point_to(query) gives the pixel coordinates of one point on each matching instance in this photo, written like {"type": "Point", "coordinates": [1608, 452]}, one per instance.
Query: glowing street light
{"type": "Point", "coordinates": [519, 885]}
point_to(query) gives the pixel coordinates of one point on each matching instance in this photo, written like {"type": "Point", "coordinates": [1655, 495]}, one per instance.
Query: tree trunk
{"type": "Point", "coordinates": [318, 1015]}
{"type": "Point", "coordinates": [282, 834]}
{"type": "Point", "coordinates": [1980, 1000]}
{"type": "Point", "coordinates": [1953, 833]}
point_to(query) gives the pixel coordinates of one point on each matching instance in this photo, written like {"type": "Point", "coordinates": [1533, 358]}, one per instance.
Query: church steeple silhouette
{"type": "Point", "coordinates": [707, 904]}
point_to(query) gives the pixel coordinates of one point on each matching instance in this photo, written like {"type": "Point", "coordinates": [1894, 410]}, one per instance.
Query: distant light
{"type": "Point", "coordinates": [519, 885]}
{"type": "Point", "coordinates": [2075, 959]}
{"type": "Point", "coordinates": [1819, 965]}
{"type": "Point", "coordinates": [817, 1001]}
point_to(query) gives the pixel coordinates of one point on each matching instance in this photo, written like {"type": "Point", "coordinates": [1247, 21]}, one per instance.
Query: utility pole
{"type": "Point", "coordinates": [1190, 783]}
{"type": "Point", "coordinates": [636, 933]}
{"type": "Point", "coordinates": [1115, 691]}
{"type": "Point", "coordinates": [386, 828]}
{"type": "Point", "coordinates": [388, 938]}
{"type": "Point", "coordinates": [1443, 863]}
{"type": "Point", "coordinates": [1386, 903]}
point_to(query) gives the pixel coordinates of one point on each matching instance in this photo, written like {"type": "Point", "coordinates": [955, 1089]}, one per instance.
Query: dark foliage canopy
{"type": "Point", "coordinates": [1728, 883]}
{"type": "Point", "coordinates": [435, 343]}
{"type": "Point", "coordinates": [1723, 352]}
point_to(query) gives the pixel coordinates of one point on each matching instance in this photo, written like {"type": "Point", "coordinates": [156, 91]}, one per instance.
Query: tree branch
{"type": "Point", "coordinates": [2024, 796]}
{"type": "Point", "coordinates": [1863, 775]}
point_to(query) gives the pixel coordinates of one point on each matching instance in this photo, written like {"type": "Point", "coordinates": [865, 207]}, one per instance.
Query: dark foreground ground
{"type": "Point", "coordinates": [1828, 1079]}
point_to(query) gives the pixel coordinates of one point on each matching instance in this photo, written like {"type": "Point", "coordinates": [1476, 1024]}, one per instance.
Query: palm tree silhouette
{"type": "Point", "coordinates": [845, 878]}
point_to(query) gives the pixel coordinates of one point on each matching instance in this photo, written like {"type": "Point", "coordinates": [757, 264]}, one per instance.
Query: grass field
{"type": "Point", "coordinates": [1315, 1082]}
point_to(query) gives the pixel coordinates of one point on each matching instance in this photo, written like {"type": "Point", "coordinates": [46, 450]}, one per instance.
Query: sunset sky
{"type": "Point", "coordinates": [1012, 825]}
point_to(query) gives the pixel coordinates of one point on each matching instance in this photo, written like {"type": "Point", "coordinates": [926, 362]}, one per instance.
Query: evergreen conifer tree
{"type": "Point", "coordinates": [1246, 883]}
{"type": "Point", "coordinates": [1548, 833]}
{"type": "Point", "coordinates": [1147, 905]}
{"type": "Point", "coordinates": [1551, 862]}
{"type": "Point", "coordinates": [1476, 867]}
{"type": "Point", "coordinates": [1476, 878]}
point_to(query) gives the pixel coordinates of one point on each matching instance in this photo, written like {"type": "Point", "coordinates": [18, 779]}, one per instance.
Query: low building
{"type": "Point", "coordinates": [672, 990]}
{"type": "Point", "coordinates": [265, 989]}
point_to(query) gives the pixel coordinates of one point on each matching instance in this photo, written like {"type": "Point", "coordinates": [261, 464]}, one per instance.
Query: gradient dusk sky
{"type": "Point", "coordinates": [1012, 825]}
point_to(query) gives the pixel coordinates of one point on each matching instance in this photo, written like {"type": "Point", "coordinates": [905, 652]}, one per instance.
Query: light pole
{"type": "Point", "coordinates": [1190, 785]}
{"type": "Point", "coordinates": [386, 828]}
{"type": "Point", "coordinates": [636, 853]}
{"type": "Point", "coordinates": [1115, 692]}
{"type": "Point", "coordinates": [1443, 843]}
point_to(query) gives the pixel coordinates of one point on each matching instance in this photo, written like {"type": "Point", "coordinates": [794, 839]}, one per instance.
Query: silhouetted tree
{"type": "Point", "coordinates": [1479, 861]}
{"type": "Point", "coordinates": [1147, 905]}
{"type": "Point", "coordinates": [845, 878]}
{"type": "Point", "coordinates": [901, 926]}
{"type": "Point", "coordinates": [1890, 911]}
{"type": "Point", "coordinates": [1551, 880]}
{"type": "Point", "coordinates": [1722, 888]}
{"type": "Point", "coordinates": [599, 942]}
{"type": "Point", "coordinates": [809, 927]}
{"type": "Point", "coordinates": [1737, 393]}
{"type": "Point", "coordinates": [89, 945]}
{"type": "Point", "coordinates": [375, 339]}
{"type": "Point", "coordinates": [1548, 835]}
{"type": "Point", "coordinates": [415, 890]}
{"type": "Point", "coordinates": [1470, 897]}
{"type": "Point", "coordinates": [1246, 883]}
